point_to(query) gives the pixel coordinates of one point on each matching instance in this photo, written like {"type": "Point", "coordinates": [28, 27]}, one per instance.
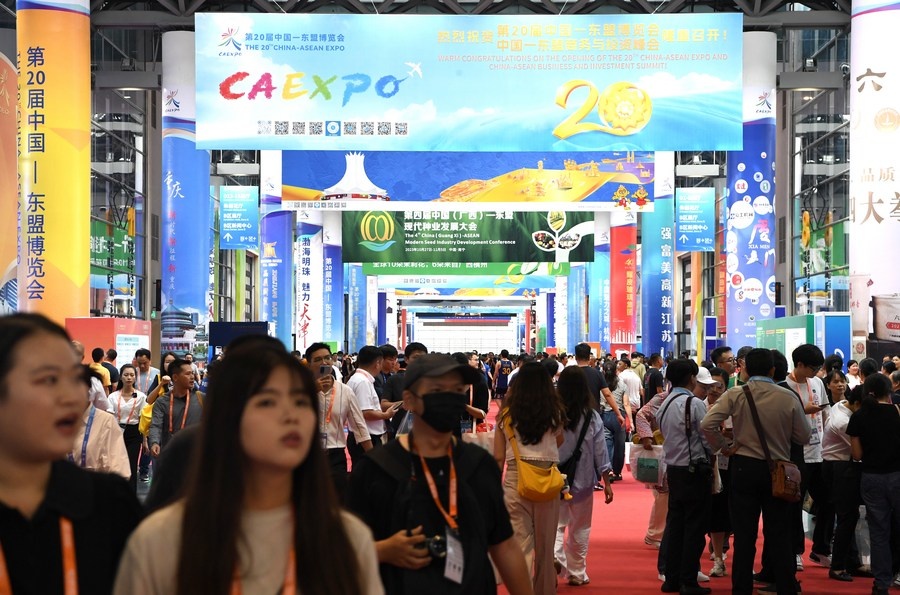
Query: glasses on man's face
{"type": "Point", "coordinates": [322, 358]}
{"type": "Point", "coordinates": [728, 360]}
{"type": "Point", "coordinates": [814, 369]}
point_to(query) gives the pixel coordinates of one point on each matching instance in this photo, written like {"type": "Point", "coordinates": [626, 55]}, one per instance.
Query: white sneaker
{"type": "Point", "coordinates": [718, 568]}
{"type": "Point", "coordinates": [702, 578]}
{"type": "Point", "coordinates": [661, 577]}
{"type": "Point", "coordinates": [897, 581]}
{"type": "Point", "coordinates": [799, 563]}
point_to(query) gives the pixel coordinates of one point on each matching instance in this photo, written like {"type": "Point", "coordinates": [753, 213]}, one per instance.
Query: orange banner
{"type": "Point", "coordinates": [54, 157]}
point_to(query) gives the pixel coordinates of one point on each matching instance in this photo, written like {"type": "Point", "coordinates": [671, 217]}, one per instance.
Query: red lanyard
{"type": "Point", "coordinates": [146, 383]}
{"type": "Point", "coordinates": [187, 406]}
{"type": "Point", "coordinates": [290, 577]}
{"type": "Point", "coordinates": [70, 569]}
{"type": "Point", "coordinates": [809, 391]}
{"type": "Point", "coordinates": [330, 407]}
{"type": "Point", "coordinates": [451, 517]}
{"type": "Point", "coordinates": [133, 405]}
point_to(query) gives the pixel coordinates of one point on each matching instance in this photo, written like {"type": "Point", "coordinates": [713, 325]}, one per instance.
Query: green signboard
{"type": "Point", "coordinates": [467, 237]}
{"type": "Point", "coordinates": [111, 249]}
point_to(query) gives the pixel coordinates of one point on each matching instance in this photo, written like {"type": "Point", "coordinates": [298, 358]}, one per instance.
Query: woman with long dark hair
{"type": "Point", "coordinates": [126, 403]}
{"type": "Point", "coordinates": [62, 528]}
{"type": "Point", "coordinates": [593, 463]}
{"type": "Point", "coordinates": [875, 441]}
{"type": "Point", "coordinates": [260, 515]}
{"type": "Point", "coordinates": [534, 413]}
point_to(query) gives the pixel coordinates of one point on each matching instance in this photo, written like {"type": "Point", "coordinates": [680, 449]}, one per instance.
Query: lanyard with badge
{"type": "Point", "coordinates": [187, 407]}
{"type": "Point", "coordinates": [84, 441]}
{"type": "Point", "coordinates": [70, 570]}
{"type": "Point", "coordinates": [133, 405]}
{"type": "Point", "coordinates": [324, 433]}
{"type": "Point", "coordinates": [454, 562]}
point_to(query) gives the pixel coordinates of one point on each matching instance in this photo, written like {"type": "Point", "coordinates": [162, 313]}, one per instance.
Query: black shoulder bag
{"type": "Point", "coordinates": [569, 466]}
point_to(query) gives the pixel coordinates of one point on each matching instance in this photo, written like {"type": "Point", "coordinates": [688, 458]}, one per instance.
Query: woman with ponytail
{"type": "Point", "coordinates": [875, 441]}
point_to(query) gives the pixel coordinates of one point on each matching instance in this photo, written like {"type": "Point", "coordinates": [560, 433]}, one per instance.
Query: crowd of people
{"type": "Point", "coordinates": [272, 466]}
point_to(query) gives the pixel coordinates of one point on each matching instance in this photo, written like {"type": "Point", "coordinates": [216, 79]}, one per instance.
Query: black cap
{"type": "Point", "coordinates": [433, 365]}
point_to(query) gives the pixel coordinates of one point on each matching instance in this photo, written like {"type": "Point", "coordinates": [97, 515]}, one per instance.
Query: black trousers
{"type": "Point", "coordinates": [751, 494]}
{"type": "Point", "coordinates": [686, 523]}
{"type": "Point", "coordinates": [842, 477]}
{"type": "Point", "coordinates": [813, 482]}
{"type": "Point", "coordinates": [133, 442]}
{"type": "Point", "coordinates": [356, 451]}
{"type": "Point", "coordinates": [337, 463]}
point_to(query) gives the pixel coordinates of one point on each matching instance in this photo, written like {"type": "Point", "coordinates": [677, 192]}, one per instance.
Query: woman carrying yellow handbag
{"type": "Point", "coordinates": [528, 442]}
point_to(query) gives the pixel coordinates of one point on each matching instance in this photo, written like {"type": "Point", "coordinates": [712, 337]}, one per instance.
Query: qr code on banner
{"type": "Point", "coordinates": [264, 127]}
{"type": "Point", "coordinates": [298, 127]}
{"type": "Point", "coordinates": [349, 128]}
{"type": "Point", "coordinates": [317, 128]}
{"type": "Point", "coordinates": [367, 128]}
{"type": "Point", "coordinates": [281, 128]}
{"type": "Point", "coordinates": [401, 129]}
{"type": "Point", "coordinates": [384, 128]}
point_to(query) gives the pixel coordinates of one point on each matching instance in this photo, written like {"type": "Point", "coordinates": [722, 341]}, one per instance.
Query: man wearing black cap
{"type": "Point", "coordinates": [435, 505]}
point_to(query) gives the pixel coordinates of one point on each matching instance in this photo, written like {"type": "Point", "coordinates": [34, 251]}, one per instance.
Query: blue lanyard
{"type": "Point", "coordinates": [84, 442]}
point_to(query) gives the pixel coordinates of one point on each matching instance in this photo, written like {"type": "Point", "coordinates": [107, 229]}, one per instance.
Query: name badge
{"type": "Point", "coordinates": [454, 563]}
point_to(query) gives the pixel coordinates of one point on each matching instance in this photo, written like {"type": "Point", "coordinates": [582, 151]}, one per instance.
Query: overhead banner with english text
{"type": "Point", "coordinates": [469, 83]}
{"type": "Point", "coordinates": [426, 236]}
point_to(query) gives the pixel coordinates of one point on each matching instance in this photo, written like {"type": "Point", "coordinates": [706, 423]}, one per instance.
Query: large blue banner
{"type": "Point", "coordinates": [276, 232]}
{"type": "Point", "coordinates": [695, 219]}
{"type": "Point", "coordinates": [657, 284]}
{"type": "Point", "coordinates": [750, 235]}
{"type": "Point", "coordinates": [577, 297]}
{"type": "Point", "coordinates": [356, 315]}
{"type": "Point", "coordinates": [607, 181]}
{"type": "Point", "coordinates": [185, 262]}
{"type": "Point", "coordinates": [333, 294]}
{"type": "Point", "coordinates": [239, 218]}
{"type": "Point", "coordinates": [469, 83]}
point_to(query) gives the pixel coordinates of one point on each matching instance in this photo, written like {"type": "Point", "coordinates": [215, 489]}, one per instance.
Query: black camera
{"type": "Point", "coordinates": [437, 546]}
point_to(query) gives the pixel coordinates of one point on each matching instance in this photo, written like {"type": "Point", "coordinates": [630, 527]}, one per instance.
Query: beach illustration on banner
{"type": "Point", "coordinates": [607, 181]}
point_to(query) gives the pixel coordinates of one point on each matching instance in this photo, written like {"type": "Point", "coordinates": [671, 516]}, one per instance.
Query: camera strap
{"type": "Point", "coordinates": [688, 431]}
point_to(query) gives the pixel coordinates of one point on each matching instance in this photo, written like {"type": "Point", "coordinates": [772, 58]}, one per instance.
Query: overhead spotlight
{"type": "Point", "coordinates": [810, 65]}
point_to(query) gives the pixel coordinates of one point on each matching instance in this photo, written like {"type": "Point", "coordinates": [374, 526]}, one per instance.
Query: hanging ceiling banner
{"type": "Point", "coordinates": [469, 83]}
{"type": "Point", "coordinates": [425, 236]}
{"type": "Point", "coordinates": [337, 180]}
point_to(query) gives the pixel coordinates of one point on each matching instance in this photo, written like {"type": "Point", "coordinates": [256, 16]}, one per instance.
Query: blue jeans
{"type": "Point", "coordinates": [615, 440]}
{"type": "Point", "coordinates": [881, 494]}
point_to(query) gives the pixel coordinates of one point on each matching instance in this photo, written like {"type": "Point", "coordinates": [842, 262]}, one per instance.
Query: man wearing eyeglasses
{"type": "Point", "coordinates": [803, 380]}
{"type": "Point", "coordinates": [723, 357]}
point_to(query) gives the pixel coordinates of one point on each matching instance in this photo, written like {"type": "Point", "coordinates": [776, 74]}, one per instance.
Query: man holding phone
{"type": "Point", "coordinates": [803, 380]}
{"type": "Point", "coordinates": [339, 410]}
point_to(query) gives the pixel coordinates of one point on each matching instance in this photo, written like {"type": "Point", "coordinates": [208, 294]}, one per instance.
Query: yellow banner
{"type": "Point", "coordinates": [54, 159]}
{"type": "Point", "coordinates": [8, 194]}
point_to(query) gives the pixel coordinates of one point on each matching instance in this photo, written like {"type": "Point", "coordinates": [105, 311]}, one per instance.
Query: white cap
{"type": "Point", "coordinates": [704, 377]}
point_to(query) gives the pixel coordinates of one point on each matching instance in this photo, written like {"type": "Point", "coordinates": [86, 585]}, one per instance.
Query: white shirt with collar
{"type": "Point", "coordinates": [127, 411]}
{"type": "Point", "coordinates": [363, 385]}
{"type": "Point", "coordinates": [344, 413]}
{"type": "Point", "coordinates": [105, 448]}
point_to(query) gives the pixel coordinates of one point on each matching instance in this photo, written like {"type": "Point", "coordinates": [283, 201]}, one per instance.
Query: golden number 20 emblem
{"type": "Point", "coordinates": [623, 108]}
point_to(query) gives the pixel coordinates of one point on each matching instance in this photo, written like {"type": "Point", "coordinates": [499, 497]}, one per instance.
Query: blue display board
{"type": "Point", "coordinates": [657, 287]}
{"type": "Point", "coordinates": [469, 82]}
{"type": "Point", "coordinates": [695, 219]}
{"type": "Point", "coordinates": [238, 217]}
{"type": "Point", "coordinates": [276, 270]}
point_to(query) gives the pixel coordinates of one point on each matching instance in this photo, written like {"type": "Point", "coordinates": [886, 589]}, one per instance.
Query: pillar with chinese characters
{"type": "Point", "coordinates": [185, 202]}
{"type": "Point", "coordinates": [874, 228]}
{"type": "Point", "coordinates": [598, 279]}
{"type": "Point", "coordinates": [750, 224]}
{"type": "Point", "coordinates": [54, 156]}
{"type": "Point", "coordinates": [623, 280]}
{"type": "Point", "coordinates": [658, 261]}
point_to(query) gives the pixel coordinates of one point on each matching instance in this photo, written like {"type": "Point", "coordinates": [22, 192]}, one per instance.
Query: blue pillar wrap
{"type": "Point", "coordinates": [551, 319]}
{"type": "Point", "coordinates": [657, 293]}
{"type": "Point", "coordinates": [276, 231]}
{"type": "Point", "coordinates": [356, 319]}
{"type": "Point", "coordinates": [333, 295]}
{"type": "Point", "coordinates": [381, 331]}
{"type": "Point", "coordinates": [576, 296]}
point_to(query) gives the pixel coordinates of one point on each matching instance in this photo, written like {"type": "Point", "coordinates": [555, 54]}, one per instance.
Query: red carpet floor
{"type": "Point", "coordinates": [619, 562]}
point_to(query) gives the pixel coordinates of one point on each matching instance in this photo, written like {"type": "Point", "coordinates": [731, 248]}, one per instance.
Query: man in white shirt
{"type": "Point", "coordinates": [803, 380]}
{"type": "Point", "coordinates": [369, 361]}
{"type": "Point", "coordinates": [632, 382]}
{"type": "Point", "coordinates": [146, 373]}
{"type": "Point", "coordinates": [339, 411]}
